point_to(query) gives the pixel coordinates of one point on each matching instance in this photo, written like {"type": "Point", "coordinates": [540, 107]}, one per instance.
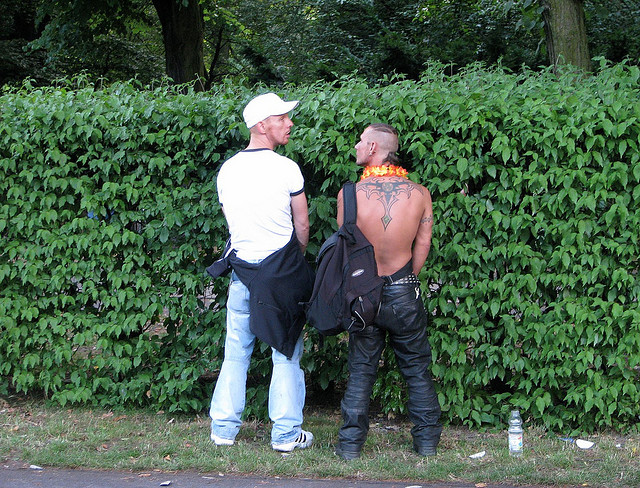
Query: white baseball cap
{"type": "Point", "coordinates": [264, 106]}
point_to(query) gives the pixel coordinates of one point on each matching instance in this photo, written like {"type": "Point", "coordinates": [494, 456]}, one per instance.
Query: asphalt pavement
{"type": "Point", "coordinates": [23, 476]}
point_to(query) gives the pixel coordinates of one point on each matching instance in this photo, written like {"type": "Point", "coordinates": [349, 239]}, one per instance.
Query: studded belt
{"type": "Point", "coordinates": [410, 279]}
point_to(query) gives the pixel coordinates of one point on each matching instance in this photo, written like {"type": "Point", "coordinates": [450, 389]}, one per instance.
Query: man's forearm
{"type": "Point", "coordinates": [302, 234]}
{"type": "Point", "coordinates": [419, 257]}
{"type": "Point", "coordinates": [300, 214]}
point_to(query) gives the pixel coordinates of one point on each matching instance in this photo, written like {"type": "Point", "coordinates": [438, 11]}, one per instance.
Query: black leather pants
{"type": "Point", "coordinates": [403, 317]}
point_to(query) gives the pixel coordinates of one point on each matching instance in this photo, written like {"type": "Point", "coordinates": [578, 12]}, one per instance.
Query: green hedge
{"type": "Point", "coordinates": [533, 276]}
{"type": "Point", "coordinates": [108, 216]}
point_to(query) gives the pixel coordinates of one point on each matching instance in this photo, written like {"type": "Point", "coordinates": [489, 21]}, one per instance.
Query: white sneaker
{"type": "Point", "coordinates": [304, 440]}
{"type": "Point", "coordinates": [220, 441]}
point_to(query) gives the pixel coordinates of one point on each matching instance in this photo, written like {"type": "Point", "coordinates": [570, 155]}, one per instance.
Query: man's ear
{"type": "Point", "coordinates": [261, 127]}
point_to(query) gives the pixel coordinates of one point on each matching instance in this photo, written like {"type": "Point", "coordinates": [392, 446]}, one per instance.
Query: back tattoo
{"type": "Point", "coordinates": [388, 192]}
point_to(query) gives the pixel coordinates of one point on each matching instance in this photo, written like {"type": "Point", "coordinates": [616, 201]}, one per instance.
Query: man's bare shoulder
{"type": "Point", "coordinates": [392, 186]}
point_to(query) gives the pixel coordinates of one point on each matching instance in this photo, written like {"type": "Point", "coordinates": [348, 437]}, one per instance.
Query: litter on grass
{"type": "Point", "coordinates": [582, 444]}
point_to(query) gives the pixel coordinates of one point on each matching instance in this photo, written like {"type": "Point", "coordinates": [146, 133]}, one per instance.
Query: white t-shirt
{"type": "Point", "coordinates": [255, 188]}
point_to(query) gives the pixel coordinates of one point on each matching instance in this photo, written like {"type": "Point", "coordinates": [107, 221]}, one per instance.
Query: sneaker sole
{"type": "Point", "coordinates": [290, 446]}
{"type": "Point", "coordinates": [219, 441]}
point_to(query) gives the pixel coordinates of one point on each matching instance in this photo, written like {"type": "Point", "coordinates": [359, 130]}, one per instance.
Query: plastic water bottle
{"type": "Point", "coordinates": [515, 433]}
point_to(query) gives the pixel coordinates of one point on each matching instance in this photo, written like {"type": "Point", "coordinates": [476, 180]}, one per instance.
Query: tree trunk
{"type": "Point", "coordinates": [221, 52]}
{"type": "Point", "coordinates": [182, 32]}
{"type": "Point", "coordinates": [564, 26]}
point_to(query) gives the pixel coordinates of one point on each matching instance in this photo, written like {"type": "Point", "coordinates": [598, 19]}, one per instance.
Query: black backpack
{"type": "Point", "coordinates": [347, 289]}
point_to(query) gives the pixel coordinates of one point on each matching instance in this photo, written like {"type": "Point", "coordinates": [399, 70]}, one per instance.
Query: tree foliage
{"type": "Point", "coordinates": [17, 29]}
{"type": "Point", "coordinates": [103, 38]}
{"type": "Point", "coordinates": [276, 41]}
{"type": "Point", "coordinates": [613, 29]}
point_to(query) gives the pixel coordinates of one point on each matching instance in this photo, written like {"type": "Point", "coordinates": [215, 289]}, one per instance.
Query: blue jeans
{"type": "Point", "coordinates": [287, 389]}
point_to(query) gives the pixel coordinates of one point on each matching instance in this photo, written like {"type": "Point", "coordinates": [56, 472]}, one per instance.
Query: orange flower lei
{"type": "Point", "coordinates": [389, 170]}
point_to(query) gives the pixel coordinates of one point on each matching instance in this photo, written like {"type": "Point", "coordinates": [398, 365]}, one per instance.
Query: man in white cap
{"type": "Point", "coordinates": [263, 200]}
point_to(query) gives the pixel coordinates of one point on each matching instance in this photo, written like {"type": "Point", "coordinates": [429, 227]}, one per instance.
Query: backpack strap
{"type": "Point", "coordinates": [349, 202]}
{"type": "Point", "coordinates": [350, 206]}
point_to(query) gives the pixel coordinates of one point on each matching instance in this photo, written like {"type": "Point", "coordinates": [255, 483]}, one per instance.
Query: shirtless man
{"type": "Point", "coordinates": [396, 216]}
